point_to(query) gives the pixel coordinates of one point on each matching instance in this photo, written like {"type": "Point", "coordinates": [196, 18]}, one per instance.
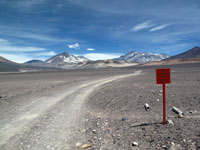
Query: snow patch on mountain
{"type": "Point", "coordinates": [141, 57]}
{"type": "Point", "coordinates": [65, 58]}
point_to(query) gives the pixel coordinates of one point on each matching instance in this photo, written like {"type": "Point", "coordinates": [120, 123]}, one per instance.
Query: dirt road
{"type": "Point", "coordinates": [44, 111]}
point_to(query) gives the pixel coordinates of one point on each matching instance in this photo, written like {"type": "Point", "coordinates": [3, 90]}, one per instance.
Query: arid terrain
{"type": "Point", "coordinates": [102, 107]}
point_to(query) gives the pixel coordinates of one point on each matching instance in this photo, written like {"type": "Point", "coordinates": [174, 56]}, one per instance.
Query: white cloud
{"type": "Point", "coordinates": [159, 27]}
{"type": "Point", "coordinates": [2, 41]}
{"type": "Point", "coordinates": [30, 33]}
{"type": "Point", "coordinates": [50, 53]}
{"type": "Point", "coordinates": [24, 5]}
{"type": "Point", "coordinates": [76, 45]}
{"type": "Point", "coordinates": [144, 25]}
{"type": "Point", "coordinates": [90, 49]}
{"type": "Point", "coordinates": [101, 56]}
{"type": "Point", "coordinates": [10, 48]}
{"type": "Point", "coordinates": [22, 54]}
{"type": "Point", "coordinates": [6, 46]}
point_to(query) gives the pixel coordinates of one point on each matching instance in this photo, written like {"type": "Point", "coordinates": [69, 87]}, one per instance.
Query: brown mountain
{"type": "Point", "coordinates": [2, 59]}
{"type": "Point", "coordinates": [192, 53]}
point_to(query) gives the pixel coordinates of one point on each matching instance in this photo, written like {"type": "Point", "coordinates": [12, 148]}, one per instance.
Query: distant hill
{"type": "Point", "coordinates": [103, 64]}
{"type": "Point", "coordinates": [192, 53]}
{"type": "Point", "coordinates": [140, 57]}
{"type": "Point", "coordinates": [34, 61]}
{"type": "Point", "coordinates": [2, 59]}
{"type": "Point", "coordinates": [8, 66]}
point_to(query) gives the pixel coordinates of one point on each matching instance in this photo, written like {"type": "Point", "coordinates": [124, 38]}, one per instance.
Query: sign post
{"type": "Point", "coordinates": [163, 77]}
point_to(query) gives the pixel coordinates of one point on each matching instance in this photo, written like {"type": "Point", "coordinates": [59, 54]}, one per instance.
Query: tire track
{"type": "Point", "coordinates": [70, 121]}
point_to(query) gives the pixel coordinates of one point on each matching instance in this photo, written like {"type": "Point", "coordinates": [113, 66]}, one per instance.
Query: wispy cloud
{"type": "Point", "coordinates": [144, 25]}
{"type": "Point", "coordinates": [158, 27]}
{"type": "Point", "coordinates": [90, 49]}
{"type": "Point", "coordinates": [7, 46]}
{"type": "Point", "coordinates": [2, 41]}
{"type": "Point", "coordinates": [23, 5]}
{"type": "Point", "coordinates": [101, 56]}
{"type": "Point", "coordinates": [22, 54]}
{"type": "Point", "coordinates": [20, 49]}
{"type": "Point", "coordinates": [30, 33]}
{"type": "Point", "coordinates": [48, 53]}
{"type": "Point", "coordinates": [76, 45]}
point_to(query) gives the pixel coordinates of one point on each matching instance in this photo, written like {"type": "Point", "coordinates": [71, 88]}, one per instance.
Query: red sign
{"type": "Point", "coordinates": [163, 76]}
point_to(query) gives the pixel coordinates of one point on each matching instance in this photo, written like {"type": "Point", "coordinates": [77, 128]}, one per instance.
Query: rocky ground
{"type": "Point", "coordinates": [99, 109]}
{"type": "Point", "coordinates": [116, 118]}
{"type": "Point", "coordinates": [44, 110]}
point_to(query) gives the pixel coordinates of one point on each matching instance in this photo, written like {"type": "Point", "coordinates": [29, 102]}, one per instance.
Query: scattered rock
{"type": "Point", "coordinates": [170, 122]}
{"type": "Point", "coordinates": [191, 111]}
{"type": "Point", "coordinates": [198, 143]}
{"type": "Point", "coordinates": [86, 146]}
{"type": "Point", "coordinates": [78, 144]}
{"type": "Point", "coordinates": [146, 107]}
{"type": "Point", "coordinates": [192, 146]}
{"type": "Point", "coordinates": [164, 147]}
{"type": "Point", "coordinates": [2, 96]}
{"type": "Point", "coordinates": [124, 118]}
{"type": "Point", "coordinates": [135, 144]}
{"type": "Point", "coordinates": [174, 146]}
{"type": "Point", "coordinates": [94, 131]}
{"type": "Point", "coordinates": [157, 100]}
{"type": "Point", "coordinates": [180, 115]}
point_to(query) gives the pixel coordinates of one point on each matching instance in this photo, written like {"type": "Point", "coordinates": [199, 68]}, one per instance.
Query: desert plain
{"type": "Point", "coordinates": [102, 109]}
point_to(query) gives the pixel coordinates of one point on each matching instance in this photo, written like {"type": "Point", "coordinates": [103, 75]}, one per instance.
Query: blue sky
{"type": "Point", "coordinates": [97, 29]}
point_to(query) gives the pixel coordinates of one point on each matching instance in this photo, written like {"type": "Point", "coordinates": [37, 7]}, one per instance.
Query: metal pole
{"type": "Point", "coordinates": [164, 105]}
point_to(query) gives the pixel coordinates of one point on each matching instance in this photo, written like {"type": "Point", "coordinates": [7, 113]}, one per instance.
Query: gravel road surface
{"type": "Point", "coordinates": [45, 110]}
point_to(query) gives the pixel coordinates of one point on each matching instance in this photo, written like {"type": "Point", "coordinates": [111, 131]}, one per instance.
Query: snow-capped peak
{"type": "Point", "coordinates": [65, 57]}
{"type": "Point", "coordinates": [141, 57]}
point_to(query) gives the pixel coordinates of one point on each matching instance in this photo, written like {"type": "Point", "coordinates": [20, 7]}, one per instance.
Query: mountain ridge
{"type": "Point", "coordinates": [34, 61]}
{"type": "Point", "coordinates": [65, 57]}
{"type": "Point", "coordinates": [192, 53]}
{"type": "Point", "coordinates": [141, 57]}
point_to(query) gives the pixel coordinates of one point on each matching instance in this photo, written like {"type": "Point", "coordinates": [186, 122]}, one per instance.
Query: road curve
{"type": "Point", "coordinates": [52, 122]}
